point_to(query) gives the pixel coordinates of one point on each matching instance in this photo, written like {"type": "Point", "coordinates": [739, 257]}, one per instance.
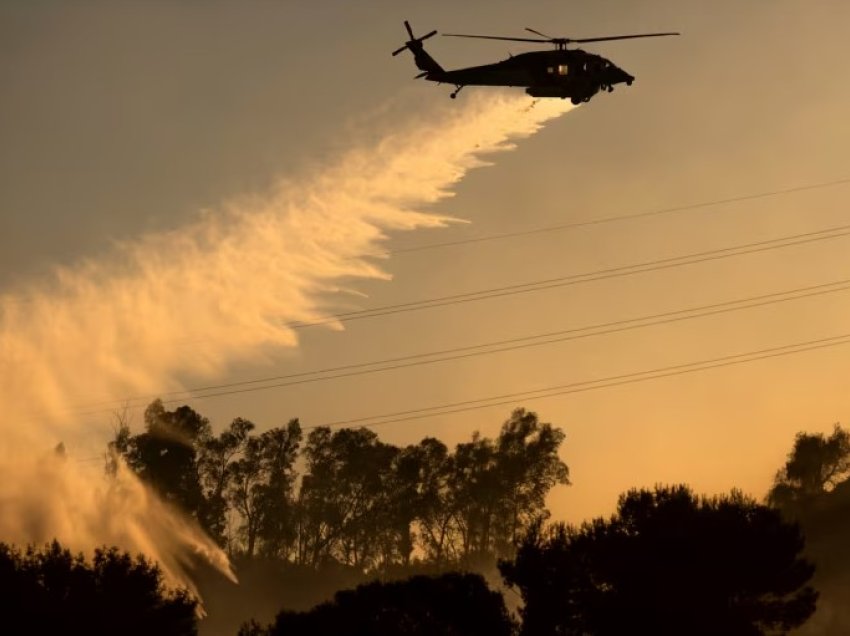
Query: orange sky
{"type": "Point", "coordinates": [119, 121]}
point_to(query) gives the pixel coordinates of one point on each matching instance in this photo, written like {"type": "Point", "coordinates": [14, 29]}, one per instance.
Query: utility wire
{"type": "Point", "coordinates": [687, 259]}
{"type": "Point", "coordinates": [677, 261]}
{"type": "Point", "coordinates": [523, 342]}
{"type": "Point", "coordinates": [589, 385]}
{"type": "Point", "coordinates": [499, 346]}
{"type": "Point", "coordinates": [585, 385]}
{"type": "Point", "coordinates": [574, 279]}
{"type": "Point", "coordinates": [622, 217]}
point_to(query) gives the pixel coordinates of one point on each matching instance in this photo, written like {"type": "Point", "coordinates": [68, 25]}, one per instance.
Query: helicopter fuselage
{"type": "Point", "coordinates": [564, 73]}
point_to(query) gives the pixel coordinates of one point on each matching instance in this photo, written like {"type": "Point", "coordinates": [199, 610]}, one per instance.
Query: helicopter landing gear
{"type": "Point", "coordinates": [456, 91]}
{"type": "Point", "coordinates": [576, 100]}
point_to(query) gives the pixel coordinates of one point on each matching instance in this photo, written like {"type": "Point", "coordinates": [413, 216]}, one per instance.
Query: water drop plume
{"type": "Point", "coordinates": [113, 325]}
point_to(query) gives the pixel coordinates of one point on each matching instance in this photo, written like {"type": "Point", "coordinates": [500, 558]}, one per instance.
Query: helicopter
{"type": "Point", "coordinates": [563, 72]}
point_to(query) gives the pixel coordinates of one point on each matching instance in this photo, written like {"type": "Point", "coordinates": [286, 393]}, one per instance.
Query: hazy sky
{"type": "Point", "coordinates": [121, 119]}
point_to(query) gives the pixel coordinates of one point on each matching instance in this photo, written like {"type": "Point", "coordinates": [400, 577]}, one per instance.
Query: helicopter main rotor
{"type": "Point", "coordinates": [560, 43]}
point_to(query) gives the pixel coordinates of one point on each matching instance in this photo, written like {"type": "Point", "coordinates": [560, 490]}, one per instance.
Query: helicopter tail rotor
{"type": "Point", "coordinates": [424, 62]}
{"type": "Point", "coordinates": [414, 43]}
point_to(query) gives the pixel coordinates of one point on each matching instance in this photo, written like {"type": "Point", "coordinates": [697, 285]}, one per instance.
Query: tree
{"type": "Point", "coordinates": [51, 591]}
{"type": "Point", "coordinates": [165, 456]}
{"type": "Point", "coordinates": [246, 493]}
{"type": "Point", "coordinates": [498, 488]}
{"type": "Point", "coordinates": [666, 563]}
{"type": "Point", "coordinates": [277, 527]}
{"type": "Point", "coordinates": [528, 468]}
{"type": "Point", "coordinates": [813, 489]}
{"type": "Point", "coordinates": [217, 465]}
{"type": "Point", "coordinates": [434, 510]}
{"type": "Point", "coordinates": [452, 604]}
{"type": "Point", "coordinates": [815, 465]}
{"type": "Point", "coordinates": [345, 497]}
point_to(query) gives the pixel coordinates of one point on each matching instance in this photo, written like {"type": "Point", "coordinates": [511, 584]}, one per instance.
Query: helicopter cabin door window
{"type": "Point", "coordinates": [560, 69]}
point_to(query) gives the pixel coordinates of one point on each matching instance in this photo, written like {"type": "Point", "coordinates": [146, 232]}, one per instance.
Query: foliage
{"type": "Point", "coordinates": [666, 563]}
{"type": "Point", "coordinates": [208, 476]}
{"type": "Point", "coordinates": [52, 591]}
{"type": "Point", "coordinates": [813, 489]}
{"type": "Point", "coordinates": [815, 465]}
{"type": "Point", "coordinates": [165, 457]}
{"type": "Point", "coordinates": [360, 501]}
{"type": "Point", "coordinates": [260, 488]}
{"type": "Point", "coordinates": [345, 497]}
{"type": "Point", "coordinates": [453, 604]}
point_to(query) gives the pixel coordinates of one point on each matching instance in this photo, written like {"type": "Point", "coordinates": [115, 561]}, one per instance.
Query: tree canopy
{"type": "Point", "coordinates": [359, 501]}
{"type": "Point", "coordinates": [49, 590]}
{"type": "Point", "coordinates": [452, 604]}
{"type": "Point", "coordinates": [667, 562]}
{"type": "Point", "coordinates": [813, 489]}
{"type": "Point", "coordinates": [815, 465]}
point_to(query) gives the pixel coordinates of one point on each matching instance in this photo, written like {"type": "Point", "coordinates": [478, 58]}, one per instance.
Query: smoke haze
{"type": "Point", "coordinates": [236, 278]}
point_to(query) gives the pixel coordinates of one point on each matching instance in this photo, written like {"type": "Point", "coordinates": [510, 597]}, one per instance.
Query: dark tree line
{"type": "Point", "coordinates": [666, 562]}
{"type": "Point", "coordinates": [49, 590]}
{"type": "Point", "coordinates": [344, 496]}
{"type": "Point", "coordinates": [454, 604]}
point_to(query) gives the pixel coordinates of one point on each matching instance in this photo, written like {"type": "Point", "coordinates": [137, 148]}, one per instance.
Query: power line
{"type": "Point", "coordinates": [574, 279]}
{"type": "Point", "coordinates": [589, 385]}
{"type": "Point", "coordinates": [523, 342]}
{"type": "Point", "coordinates": [727, 252]}
{"type": "Point", "coordinates": [499, 346]}
{"type": "Point", "coordinates": [622, 217]}
{"type": "Point", "coordinates": [586, 385]}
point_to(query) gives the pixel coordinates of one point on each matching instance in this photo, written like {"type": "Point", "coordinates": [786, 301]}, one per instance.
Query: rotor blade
{"type": "Point", "coordinates": [625, 37]}
{"type": "Point", "coordinates": [409, 30]}
{"type": "Point", "coordinates": [538, 33]}
{"type": "Point", "coordinates": [425, 37]}
{"type": "Point", "coordinates": [493, 37]}
{"type": "Point", "coordinates": [397, 51]}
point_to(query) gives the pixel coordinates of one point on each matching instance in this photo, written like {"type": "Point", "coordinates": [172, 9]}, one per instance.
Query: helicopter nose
{"type": "Point", "coordinates": [617, 75]}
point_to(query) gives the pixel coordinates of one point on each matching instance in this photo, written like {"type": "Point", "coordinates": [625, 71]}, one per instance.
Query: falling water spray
{"type": "Point", "coordinates": [235, 278]}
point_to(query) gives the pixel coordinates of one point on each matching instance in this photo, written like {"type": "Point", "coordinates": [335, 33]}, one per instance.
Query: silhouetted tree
{"type": "Point", "coordinates": [414, 488]}
{"type": "Point", "coordinates": [528, 468]}
{"type": "Point", "coordinates": [435, 503]}
{"type": "Point", "coordinates": [813, 489]}
{"type": "Point", "coordinates": [345, 496]}
{"type": "Point", "coordinates": [51, 591]}
{"type": "Point", "coordinates": [218, 456]}
{"type": "Point", "coordinates": [498, 488]}
{"type": "Point", "coordinates": [666, 563]}
{"type": "Point", "coordinates": [246, 491]}
{"type": "Point", "coordinates": [361, 502]}
{"type": "Point", "coordinates": [451, 604]}
{"type": "Point", "coordinates": [278, 516]}
{"type": "Point", "coordinates": [165, 457]}
{"type": "Point", "coordinates": [815, 465]}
